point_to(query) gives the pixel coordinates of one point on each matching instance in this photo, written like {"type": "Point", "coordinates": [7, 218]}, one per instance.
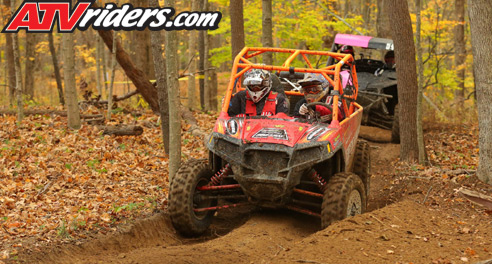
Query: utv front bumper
{"type": "Point", "coordinates": [268, 172]}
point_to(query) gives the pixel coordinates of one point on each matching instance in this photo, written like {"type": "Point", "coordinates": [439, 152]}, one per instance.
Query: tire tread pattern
{"type": "Point", "coordinates": [362, 162]}
{"type": "Point", "coordinates": [181, 196]}
{"type": "Point", "coordinates": [335, 198]}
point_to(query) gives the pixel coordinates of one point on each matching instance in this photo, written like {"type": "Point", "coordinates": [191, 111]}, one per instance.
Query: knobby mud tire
{"type": "Point", "coordinates": [395, 129]}
{"type": "Point", "coordinates": [181, 198]}
{"type": "Point", "coordinates": [336, 197]}
{"type": "Point", "coordinates": [362, 163]}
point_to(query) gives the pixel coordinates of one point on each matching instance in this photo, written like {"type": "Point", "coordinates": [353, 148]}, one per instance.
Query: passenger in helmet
{"type": "Point", "coordinates": [258, 97]}
{"type": "Point", "coordinates": [347, 50]}
{"type": "Point", "coordinates": [312, 85]}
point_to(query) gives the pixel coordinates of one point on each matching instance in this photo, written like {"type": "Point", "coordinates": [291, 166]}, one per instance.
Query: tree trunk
{"type": "Point", "coordinates": [401, 28]}
{"type": "Point", "coordinates": [113, 72]}
{"type": "Point", "coordinates": [266, 30]}
{"type": "Point", "coordinates": [206, 64]}
{"type": "Point", "coordinates": [10, 60]}
{"type": "Point", "coordinates": [382, 21]}
{"type": "Point", "coordinates": [139, 78]}
{"type": "Point", "coordinates": [156, 40]}
{"type": "Point", "coordinates": [18, 75]}
{"type": "Point", "coordinates": [98, 65]}
{"type": "Point", "coordinates": [69, 76]}
{"type": "Point", "coordinates": [366, 13]}
{"type": "Point", "coordinates": [237, 27]}
{"type": "Point", "coordinates": [192, 57]}
{"type": "Point", "coordinates": [201, 66]}
{"type": "Point", "coordinates": [346, 9]}
{"type": "Point", "coordinates": [56, 69]}
{"type": "Point", "coordinates": [215, 41]}
{"type": "Point", "coordinates": [480, 13]}
{"type": "Point", "coordinates": [174, 102]}
{"type": "Point", "coordinates": [460, 53]}
{"type": "Point", "coordinates": [420, 131]}
{"type": "Point", "coordinates": [30, 48]}
{"type": "Point", "coordinates": [214, 88]}
{"type": "Point", "coordinates": [105, 73]}
{"type": "Point", "coordinates": [143, 54]}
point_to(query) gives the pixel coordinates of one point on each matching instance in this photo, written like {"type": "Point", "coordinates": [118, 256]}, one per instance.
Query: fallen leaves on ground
{"type": "Point", "coordinates": [57, 183]}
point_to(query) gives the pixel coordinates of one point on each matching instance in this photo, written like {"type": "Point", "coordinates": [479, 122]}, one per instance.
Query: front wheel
{"type": "Point", "coordinates": [345, 196]}
{"type": "Point", "coordinates": [185, 201]}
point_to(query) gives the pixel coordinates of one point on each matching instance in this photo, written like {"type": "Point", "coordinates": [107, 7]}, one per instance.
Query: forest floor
{"type": "Point", "coordinates": [80, 197]}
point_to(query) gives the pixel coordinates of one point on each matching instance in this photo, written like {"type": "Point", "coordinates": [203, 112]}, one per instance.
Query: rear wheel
{"type": "Point", "coordinates": [395, 129]}
{"type": "Point", "coordinates": [185, 199]}
{"type": "Point", "coordinates": [345, 196]}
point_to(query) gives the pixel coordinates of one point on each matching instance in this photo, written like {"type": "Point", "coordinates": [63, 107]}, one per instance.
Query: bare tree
{"type": "Point", "coordinates": [156, 40]}
{"type": "Point", "coordinates": [266, 30]}
{"type": "Point", "coordinates": [56, 69]}
{"type": "Point", "coordinates": [460, 51]}
{"type": "Point", "coordinates": [401, 28]}
{"type": "Point", "coordinates": [480, 13]}
{"type": "Point", "coordinates": [69, 76]}
{"type": "Point", "coordinates": [174, 102]}
{"type": "Point", "coordinates": [237, 26]}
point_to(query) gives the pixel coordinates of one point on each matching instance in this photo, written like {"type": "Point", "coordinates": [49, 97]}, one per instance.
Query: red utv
{"type": "Point", "coordinates": [307, 165]}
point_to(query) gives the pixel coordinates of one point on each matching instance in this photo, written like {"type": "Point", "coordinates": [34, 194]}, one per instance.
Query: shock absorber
{"type": "Point", "coordinates": [220, 175]}
{"type": "Point", "coordinates": [316, 178]}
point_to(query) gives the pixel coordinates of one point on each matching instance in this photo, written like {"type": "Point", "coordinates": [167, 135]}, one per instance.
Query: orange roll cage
{"type": "Point", "coordinates": [331, 73]}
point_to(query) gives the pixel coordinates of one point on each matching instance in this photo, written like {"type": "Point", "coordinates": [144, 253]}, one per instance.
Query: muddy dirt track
{"type": "Point", "coordinates": [397, 229]}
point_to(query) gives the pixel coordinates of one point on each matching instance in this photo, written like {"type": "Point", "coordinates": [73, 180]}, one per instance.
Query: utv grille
{"type": "Point", "coordinates": [267, 162]}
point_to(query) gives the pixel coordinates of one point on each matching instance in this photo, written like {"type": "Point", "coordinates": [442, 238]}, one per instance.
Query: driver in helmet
{"type": "Point", "coordinates": [312, 85]}
{"type": "Point", "coordinates": [258, 97]}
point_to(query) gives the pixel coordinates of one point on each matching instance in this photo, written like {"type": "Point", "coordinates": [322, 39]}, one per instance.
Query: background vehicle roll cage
{"type": "Point", "coordinates": [331, 73]}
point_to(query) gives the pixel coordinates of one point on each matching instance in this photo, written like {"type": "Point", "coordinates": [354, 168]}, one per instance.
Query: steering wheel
{"type": "Point", "coordinates": [312, 105]}
{"type": "Point", "coordinates": [318, 117]}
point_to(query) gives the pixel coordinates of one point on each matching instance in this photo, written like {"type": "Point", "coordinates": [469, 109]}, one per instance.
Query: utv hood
{"type": "Point", "coordinates": [278, 131]}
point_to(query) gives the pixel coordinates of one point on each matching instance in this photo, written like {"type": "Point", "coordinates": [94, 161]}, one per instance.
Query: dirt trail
{"type": "Point", "coordinates": [403, 232]}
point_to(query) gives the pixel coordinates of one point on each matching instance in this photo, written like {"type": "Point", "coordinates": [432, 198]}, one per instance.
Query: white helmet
{"type": "Point", "coordinates": [258, 83]}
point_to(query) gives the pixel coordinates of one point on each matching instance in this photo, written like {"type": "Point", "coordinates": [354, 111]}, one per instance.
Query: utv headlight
{"type": "Point", "coordinates": [316, 132]}
{"type": "Point", "coordinates": [232, 126]}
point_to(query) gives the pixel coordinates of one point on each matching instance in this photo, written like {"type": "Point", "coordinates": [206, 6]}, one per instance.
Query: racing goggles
{"type": "Point", "coordinates": [256, 88]}
{"type": "Point", "coordinates": [312, 89]}
{"type": "Point", "coordinates": [256, 85]}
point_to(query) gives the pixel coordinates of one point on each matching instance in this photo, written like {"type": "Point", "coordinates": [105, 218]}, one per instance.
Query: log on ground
{"type": "Point", "coordinates": [122, 130]}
